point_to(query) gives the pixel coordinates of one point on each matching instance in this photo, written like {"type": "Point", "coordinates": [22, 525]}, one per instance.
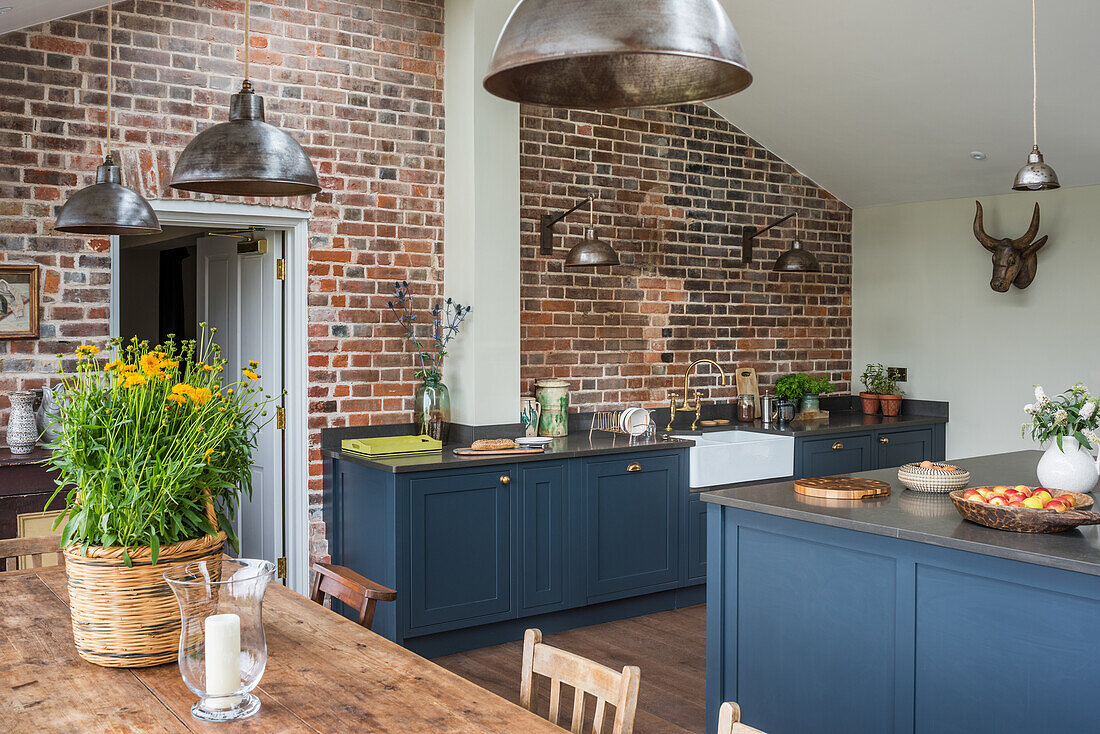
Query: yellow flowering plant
{"type": "Point", "coordinates": [147, 437]}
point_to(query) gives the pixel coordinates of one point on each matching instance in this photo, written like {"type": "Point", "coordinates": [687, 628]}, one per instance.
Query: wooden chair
{"type": "Point", "coordinates": [351, 588]}
{"type": "Point", "coordinates": [729, 720]}
{"type": "Point", "coordinates": [12, 549]}
{"type": "Point", "coordinates": [584, 676]}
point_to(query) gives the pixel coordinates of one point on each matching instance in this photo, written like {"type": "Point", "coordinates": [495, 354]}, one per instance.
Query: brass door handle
{"type": "Point", "coordinates": [838, 446]}
{"type": "Point", "coordinates": [505, 479]}
{"type": "Point", "coordinates": [634, 466]}
{"type": "Point", "coordinates": [884, 439]}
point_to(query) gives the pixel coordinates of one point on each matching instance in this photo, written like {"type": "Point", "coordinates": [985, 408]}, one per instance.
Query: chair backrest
{"type": "Point", "coordinates": [12, 549]}
{"type": "Point", "coordinates": [729, 720]}
{"type": "Point", "coordinates": [356, 591]}
{"type": "Point", "coordinates": [583, 676]}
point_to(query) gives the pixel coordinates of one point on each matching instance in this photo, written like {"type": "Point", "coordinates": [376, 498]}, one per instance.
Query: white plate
{"type": "Point", "coordinates": [533, 440]}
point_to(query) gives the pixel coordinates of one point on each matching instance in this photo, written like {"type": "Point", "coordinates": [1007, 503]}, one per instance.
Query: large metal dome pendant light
{"type": "Point", "coordinates": [107, 207]}
{"type": "Point", "coordinates": [612, 54]}
{"type": "Point", "coordinates": [796, 259]}
{"type": "Point", "coordinates": [245, 156]}
{"type": "Point", "coordinates": [1036, 175]}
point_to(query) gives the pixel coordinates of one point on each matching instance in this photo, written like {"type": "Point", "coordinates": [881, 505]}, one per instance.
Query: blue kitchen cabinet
{"type": "Point", "coordinates": [461, 548]}
{"type": "Point", "coordinates": [695, 532]}
{"type": "Point", "coordinates": [902, 447]}
{"type": "Point", "coordinates": [632, 521]}
{"type": "Point", "coordinates": [544, 568]}
{"type": "Point", "coordinates": [841, 454]}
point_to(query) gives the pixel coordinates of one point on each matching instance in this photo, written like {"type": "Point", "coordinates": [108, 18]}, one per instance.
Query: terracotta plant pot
{"type": "Point", "coordinates": [870, 402]}
{"type": "Point", "coordinates": [891, 404]}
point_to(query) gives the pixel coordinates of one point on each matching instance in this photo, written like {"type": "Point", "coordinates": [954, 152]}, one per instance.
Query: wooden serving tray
{"type": "Point", "coordinates": [1027, 519]}
{"type": "Point", "coordinates": [499, 452]}
{"type": "Point", "coordinates": [841, 488]}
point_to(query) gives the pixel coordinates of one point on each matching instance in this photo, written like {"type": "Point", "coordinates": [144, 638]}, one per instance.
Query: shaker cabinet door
{"type": "Point", "coordinates": [901, 447]}
{"type": "Point", "coordinates": [632, 520]}
{"type": "Point", "coordinates": [460, 558]}
{"type": "Point", "coordinates": [543, 528]}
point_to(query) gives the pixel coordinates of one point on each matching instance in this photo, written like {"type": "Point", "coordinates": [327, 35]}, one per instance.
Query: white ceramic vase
{"type": "Point", "coordinates": [1070, 468]}
{"type": "Point", "coordinates": [22, 427]}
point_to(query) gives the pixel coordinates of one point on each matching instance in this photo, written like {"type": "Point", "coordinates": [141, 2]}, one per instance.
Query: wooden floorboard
{"type": "Point", "coordinates": [669, 647]}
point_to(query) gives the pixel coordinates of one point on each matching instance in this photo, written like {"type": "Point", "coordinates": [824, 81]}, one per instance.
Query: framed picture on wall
{"type": "Point", "coordinates": [18, 301]}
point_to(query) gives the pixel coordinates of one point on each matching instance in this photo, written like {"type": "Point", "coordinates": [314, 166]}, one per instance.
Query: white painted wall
{"type": "Point", "coordinates": [481, 229]}
{"type": "Point", "coordinates": [921, 299]}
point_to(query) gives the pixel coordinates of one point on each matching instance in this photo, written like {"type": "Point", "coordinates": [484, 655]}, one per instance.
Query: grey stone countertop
{"type": "Point", "coordinates": [930, 518]}
{"type": "Point", "coordinates": [845, 421]}
{"type": "Point", "coordinates": [566, 447]}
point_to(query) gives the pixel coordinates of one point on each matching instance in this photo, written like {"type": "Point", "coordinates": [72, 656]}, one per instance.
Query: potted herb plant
{"type": "Point", "coordinates": [806, 388]}
{"type": "Point", "coordinates": [432, 402]}
{"type": "Point", "coordinates": [153, 451]}
{"type": "Point", "coordinates": [871, 377]}
{"type": "Point", "coordinates": [1067, 426]}
{"type": "Point", "coordinates": [889, 396]}
{"type": "Point", "coordinates": [789, 390]}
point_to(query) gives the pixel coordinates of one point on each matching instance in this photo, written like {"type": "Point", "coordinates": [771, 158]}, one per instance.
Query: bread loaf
{"type": "Point", "coordinates": [494, 444]}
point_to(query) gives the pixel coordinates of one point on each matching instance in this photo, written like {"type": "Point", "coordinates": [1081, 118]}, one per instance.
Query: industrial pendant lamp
{"type": "Point", "coordinates": [1036, 175]}
{"type": "Point", "coordinates": [591, 251]}
{"type": "Point", "coordinates": [615, 54]}
{"type": "Point", "coordinates": [245, 156]}
{"type": "Point", "coordinates": [796, 259]}
{"type": "Point", "coordinates": [107, 207]}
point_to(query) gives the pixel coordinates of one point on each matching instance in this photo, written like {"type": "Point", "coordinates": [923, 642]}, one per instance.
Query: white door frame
{"type": "Point", "coordinates": [295, 227]}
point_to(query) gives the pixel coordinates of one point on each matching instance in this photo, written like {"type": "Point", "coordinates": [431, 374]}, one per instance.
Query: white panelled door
{"type": "Point", "coordinates": [240, 295]}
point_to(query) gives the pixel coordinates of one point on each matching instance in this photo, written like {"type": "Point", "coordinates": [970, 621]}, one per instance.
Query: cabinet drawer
{"type": "Point", "coordinates": [460, 559]}
{"type": "Point", "coordinates": [843, 454]}
{"type": "Point", "coordinates": [632, 508]}
{"type": "Point", "coordinates": [901, 447]}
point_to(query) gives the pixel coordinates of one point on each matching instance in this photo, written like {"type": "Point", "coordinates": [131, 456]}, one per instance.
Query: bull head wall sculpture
{"type": "Point", "coordinates": [1014, 260]}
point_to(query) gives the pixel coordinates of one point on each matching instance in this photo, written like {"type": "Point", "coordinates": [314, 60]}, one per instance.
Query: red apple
{"type": "Point", "coordinates": [1014, 494]}
{"type": "Point", "coordinates": [986, 492]}
{"type": "Point", "coordinates": [1000, 489]}
{"type": "Point", "coordinates": [973, 494]}
{"type": "Point", "coordinates": [1023, 488]}
{"type": "Point", "coordinates": [1056, 504]}
{"type": "Point", "coordinates": [1017, 503]}
{"type": "Point", "coordinates": [998, 499]}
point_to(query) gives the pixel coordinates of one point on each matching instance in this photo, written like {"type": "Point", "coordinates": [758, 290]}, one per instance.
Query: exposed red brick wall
{"type": "Point", "coordinates": [675, 189]}
{"type": "Point", "coordinates": [358, 83]}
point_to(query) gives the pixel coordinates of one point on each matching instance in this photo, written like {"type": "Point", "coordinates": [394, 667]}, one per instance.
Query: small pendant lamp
{"type": "Point", "coordinates": [796, 259]}
{"type": "Point", "coordinates": [245, 156]}
{"type": "Point", "coordinates": [107, 207]}
{"type": "Point", "coordinates": [591, 251]}
{"type": "Point", "coordinates": [612, 54]}
{"type": "Point", "coordinates": [1036, 175]}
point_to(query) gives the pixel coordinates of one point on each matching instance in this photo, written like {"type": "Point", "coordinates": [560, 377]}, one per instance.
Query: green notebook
{"type": "Point", "coordinates": [391, 445]}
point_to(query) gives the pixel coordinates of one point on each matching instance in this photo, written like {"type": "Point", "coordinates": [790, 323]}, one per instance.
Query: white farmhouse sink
{"type": "Point", "coordinates": [725, 457]}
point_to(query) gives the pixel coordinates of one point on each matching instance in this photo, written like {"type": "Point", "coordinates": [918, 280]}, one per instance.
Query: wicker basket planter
{"type": "Point", "coordinates": [127, 617]}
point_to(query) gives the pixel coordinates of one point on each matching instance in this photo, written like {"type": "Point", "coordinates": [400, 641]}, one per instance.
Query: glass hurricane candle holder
{"type": "Point", "coordinates": [223, 651]}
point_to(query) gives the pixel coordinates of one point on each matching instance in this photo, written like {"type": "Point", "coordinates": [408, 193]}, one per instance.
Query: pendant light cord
{"type": "Point", "coordinates": [1034, 80]}
{"type": "Point", "coordinates": [247, 18]}
{"type": "Point", "coordinates": [110, 76]}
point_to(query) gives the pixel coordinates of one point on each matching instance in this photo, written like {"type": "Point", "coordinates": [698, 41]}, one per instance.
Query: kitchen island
{"type": "Point", "coordinates": [895, 614]}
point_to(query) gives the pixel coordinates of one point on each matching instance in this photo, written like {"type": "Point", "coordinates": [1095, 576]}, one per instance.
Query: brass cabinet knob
{"type": "Point", "coordinates": [634, 466]}
{"type": "Point", "coordinates": [505, 479]}
{"type": "Point", "coordinates": [884, 439]}
{"type": "Point", "coordinates": [838, 446]}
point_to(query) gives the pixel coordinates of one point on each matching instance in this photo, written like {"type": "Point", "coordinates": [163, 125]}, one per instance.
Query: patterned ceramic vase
{"type": "Point", "coordinates": [529, 416]}
{"type": "Point", "coordinates": [22, 427]}
{"type": "Point", "coordinates": [553, 397]}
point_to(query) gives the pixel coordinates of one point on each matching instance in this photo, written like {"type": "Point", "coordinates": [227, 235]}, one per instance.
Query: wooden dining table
{"type": "Point", "coordinates": [324, 674]}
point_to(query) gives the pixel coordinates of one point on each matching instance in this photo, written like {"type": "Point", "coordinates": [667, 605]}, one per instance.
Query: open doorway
{"type": "Point", "coordinates": [229, 278]}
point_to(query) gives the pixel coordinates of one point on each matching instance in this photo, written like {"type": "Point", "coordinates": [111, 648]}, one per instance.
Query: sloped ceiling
{"type": "Point", "coordinates": [882, 101]}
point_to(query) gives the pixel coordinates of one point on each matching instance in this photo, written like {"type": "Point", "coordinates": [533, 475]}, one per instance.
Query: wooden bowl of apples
{"type": "Point", "coordinates": [1024, 509]}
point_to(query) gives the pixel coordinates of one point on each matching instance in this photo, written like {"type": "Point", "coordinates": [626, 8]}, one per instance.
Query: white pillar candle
{"type": "Point", "coordinates": [223, 656]}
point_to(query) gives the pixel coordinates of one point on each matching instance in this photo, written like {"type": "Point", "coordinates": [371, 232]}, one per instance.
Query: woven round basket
{"type": "Point", "coordinates": [932, 480]}
{"type": "Point", "coordinates": [127, 617]}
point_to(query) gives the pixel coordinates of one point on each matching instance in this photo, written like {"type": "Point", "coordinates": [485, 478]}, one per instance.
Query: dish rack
{"type": "Point", "coordinates": [608, 421]}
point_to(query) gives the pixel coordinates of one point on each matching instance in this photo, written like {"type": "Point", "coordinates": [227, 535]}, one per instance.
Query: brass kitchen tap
{"type": "Point", "coordinates": [698, 399]}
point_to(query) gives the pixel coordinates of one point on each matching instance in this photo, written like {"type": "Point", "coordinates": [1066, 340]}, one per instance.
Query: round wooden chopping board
{"type": "Point", "coordinates": [841, 488]}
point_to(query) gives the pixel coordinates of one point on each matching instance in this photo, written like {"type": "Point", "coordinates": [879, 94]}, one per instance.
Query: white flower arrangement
{"type": "Point", "coordinates": [1071, 414]}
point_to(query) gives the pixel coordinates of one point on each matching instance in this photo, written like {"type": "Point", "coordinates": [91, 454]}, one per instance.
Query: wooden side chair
{"type": "Point", "coordinates": [351, 588]}
{"type": "Point", "coordinates": [584, 676]}
{"type": "Point", "coordinates": [729, 720]}
{"type": "Point", "coordinates": [12, 549]}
